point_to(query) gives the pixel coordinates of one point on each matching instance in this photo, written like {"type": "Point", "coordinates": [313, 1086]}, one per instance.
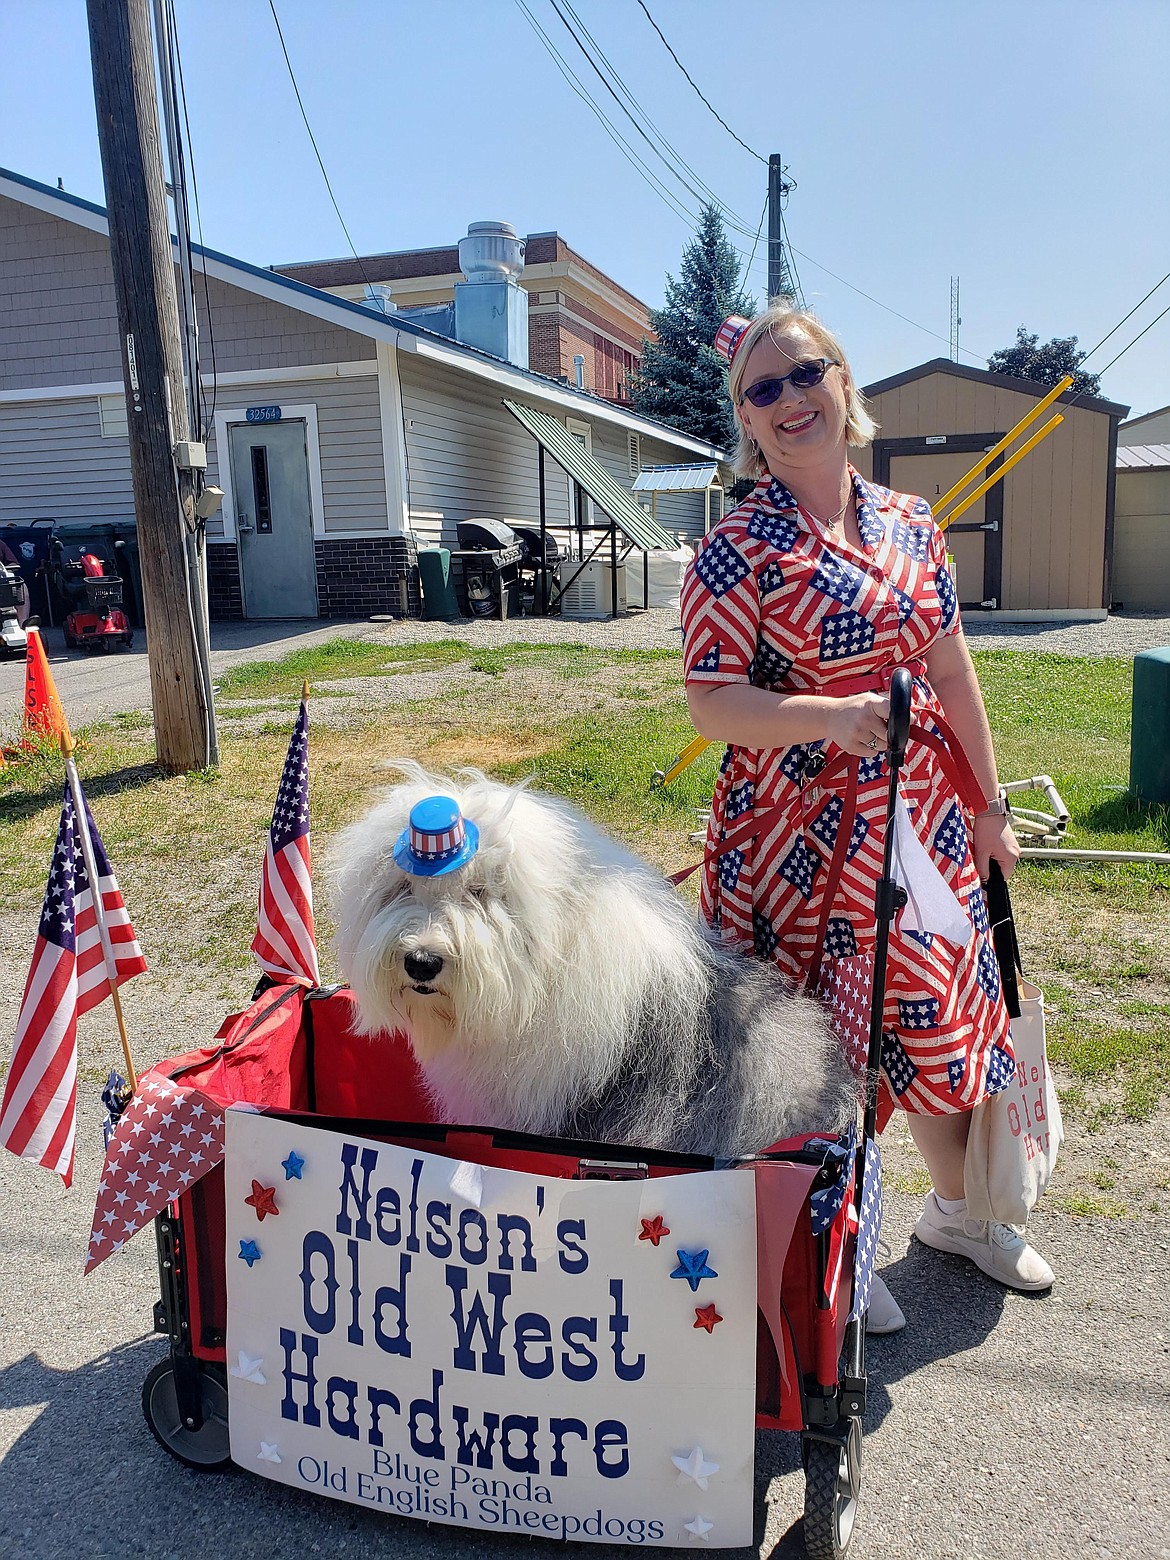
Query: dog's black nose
{"type": "Point", "coordinates": [422, 966]}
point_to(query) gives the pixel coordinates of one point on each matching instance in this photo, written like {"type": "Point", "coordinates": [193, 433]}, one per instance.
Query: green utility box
{"type": "Point", "coordinates": [434, 570]}
{"type": "Point", "coordinates": [1149, 742]}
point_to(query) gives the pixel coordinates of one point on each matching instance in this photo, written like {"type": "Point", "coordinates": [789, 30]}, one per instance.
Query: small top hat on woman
{"type": "Point", "coordinates": [796, 609]}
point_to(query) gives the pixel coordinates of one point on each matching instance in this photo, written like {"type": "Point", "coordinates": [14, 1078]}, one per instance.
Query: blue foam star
{"type": "Point", "coordinates": [692, 1265]}
{"type": "Point", "coordinates": [250, 1252]}
{"type": "Point", "coordinates": [292, 1166]}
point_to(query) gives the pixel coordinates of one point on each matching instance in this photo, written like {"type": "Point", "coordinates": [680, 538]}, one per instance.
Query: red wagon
{"type": "Point", "coordinates": [294, 1053]}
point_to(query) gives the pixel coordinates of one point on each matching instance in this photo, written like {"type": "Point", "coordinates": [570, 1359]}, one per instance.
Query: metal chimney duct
{"type": "Point", "coordinates": [491, 308]}
{"type": "Point", "coordinates": [579, 369]}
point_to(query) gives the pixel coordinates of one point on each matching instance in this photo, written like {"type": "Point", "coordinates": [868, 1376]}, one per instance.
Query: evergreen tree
{"type": "Point", "coordinates": [682, 380]}
{"type": "Point", "coordinates": [1045, 365]}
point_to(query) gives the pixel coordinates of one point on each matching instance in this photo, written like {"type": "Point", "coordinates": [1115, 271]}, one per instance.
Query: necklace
{"type": "Point", "coordinates": [830, 522]}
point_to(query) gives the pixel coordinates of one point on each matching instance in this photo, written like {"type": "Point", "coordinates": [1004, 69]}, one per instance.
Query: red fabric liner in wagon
{"type": "Point", "coordinates": [295, 1053]}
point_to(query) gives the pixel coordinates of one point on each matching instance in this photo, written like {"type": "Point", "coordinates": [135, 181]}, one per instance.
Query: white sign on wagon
{"type": "Point", "coordinates": [424, 1336]}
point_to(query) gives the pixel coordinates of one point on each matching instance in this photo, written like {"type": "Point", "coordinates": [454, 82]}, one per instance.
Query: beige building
{"type": "Point", "coordinates": [1040, 543]}
{"type": "Point", "coordinates": [1141, 550]}
{"type": "Point", "coordinates": [1150, 428]}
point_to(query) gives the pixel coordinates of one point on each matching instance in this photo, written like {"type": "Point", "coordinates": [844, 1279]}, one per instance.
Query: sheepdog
{"type": "Point", "coordinates": [551, 982]}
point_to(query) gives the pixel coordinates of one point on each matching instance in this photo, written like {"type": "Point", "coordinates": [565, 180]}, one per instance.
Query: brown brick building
{"type": "Point", "coordinates": [572, 306]}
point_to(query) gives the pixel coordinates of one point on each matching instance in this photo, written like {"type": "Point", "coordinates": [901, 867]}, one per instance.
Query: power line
{"type": "Point", "coordinates": [1124, 350]}
{"type": "Point", "coordinates": [755, 246]}
{"type": "Point", "coordinates": [209, 414]}
{"type": "Point", "coordinates": [1121, 322]}
{"type": "Point", "coordinates": [675, 160]}
{"type": "Point", "coordinates": [313, 139]}
{"type": "Point", "coordinates": [862, 293]}
{"type": "Point", "coordinates": [615, 135]}
{"type": "Point", "coordinates": [687, 74]}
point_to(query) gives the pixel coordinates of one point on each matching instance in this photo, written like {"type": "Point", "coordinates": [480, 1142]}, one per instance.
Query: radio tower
{"type": "Point", "coordinates": [955, 320]}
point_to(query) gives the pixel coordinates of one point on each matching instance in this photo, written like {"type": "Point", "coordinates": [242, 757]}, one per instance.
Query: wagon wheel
{"type": "Point", "coordinates": [832, 1483]}
{"type": "Point", "coordinates": [205, 1449]}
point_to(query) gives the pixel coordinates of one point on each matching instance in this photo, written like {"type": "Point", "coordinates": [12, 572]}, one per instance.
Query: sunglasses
{"type": "Point", "coordinates": [803, 377]}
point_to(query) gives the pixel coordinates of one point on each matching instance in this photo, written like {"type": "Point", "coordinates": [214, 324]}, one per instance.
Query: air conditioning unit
{"type": "Point", "coordinates": [591, 593]}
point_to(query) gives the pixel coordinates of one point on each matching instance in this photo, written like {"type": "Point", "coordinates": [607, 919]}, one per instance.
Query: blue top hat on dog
{"type": "Point", "coordinates": [439, 838]}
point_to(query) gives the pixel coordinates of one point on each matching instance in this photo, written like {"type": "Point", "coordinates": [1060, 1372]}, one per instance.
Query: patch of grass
{"type": "Point", "coordinates": [336, 659]}
{"type": "Point", "coordinates": [915, 1183]}
{"type": "Point", "coordinates": [1085, 1206]}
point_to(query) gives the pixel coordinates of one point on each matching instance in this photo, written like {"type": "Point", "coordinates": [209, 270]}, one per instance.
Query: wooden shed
{"type": "Point", "coordinates": [1039, 544]}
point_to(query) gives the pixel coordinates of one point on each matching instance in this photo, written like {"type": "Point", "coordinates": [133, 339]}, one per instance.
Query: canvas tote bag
{"type": "Point", "coordinates": [1015, 1135]}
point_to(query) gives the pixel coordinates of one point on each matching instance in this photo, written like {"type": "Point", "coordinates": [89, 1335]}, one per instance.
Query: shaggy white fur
{"type": "Point", "coordinates": [557, 984]}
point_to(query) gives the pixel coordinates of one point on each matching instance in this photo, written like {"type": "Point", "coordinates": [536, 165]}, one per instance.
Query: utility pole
{"type": "Point", "coordinates": [780, 284]}
{"type": "Point", "coordinates": [156, 402]}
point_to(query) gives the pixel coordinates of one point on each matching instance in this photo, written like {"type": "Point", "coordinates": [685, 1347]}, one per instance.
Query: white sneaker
{"type": "Point", "coordinates": [884, 1314]}
{"type": "Point", "coordinates": [998, 1249]}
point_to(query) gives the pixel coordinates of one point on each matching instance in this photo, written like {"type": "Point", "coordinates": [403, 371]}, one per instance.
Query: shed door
{"type": "Point", "coordinates": [975, 540]}
{"type": "Point", "coordinates": [274, 519]}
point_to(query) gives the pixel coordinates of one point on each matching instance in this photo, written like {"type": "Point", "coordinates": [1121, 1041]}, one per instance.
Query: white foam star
{"type": "Point", "coordinates": [268, 1452]}
{"type": "Point", "coordinates": [699, 1528]}
{"type": "Point", "coordinates": [695, 1467]}
{"type": "Point", "coordinates": [248, 1369]}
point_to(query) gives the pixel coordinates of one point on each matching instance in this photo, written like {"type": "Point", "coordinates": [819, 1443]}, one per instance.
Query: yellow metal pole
{"type": "Point", "coordinates": [1025, 422]}
{"type": "Point", "coordinates": [1012, 460]}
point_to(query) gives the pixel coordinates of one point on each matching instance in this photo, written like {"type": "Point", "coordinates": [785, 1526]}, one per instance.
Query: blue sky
{"type": "Point", "coordinates": [1023, 146]}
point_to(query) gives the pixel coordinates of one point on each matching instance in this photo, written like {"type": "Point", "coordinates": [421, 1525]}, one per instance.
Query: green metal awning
{"type": "Point", "coordinates": [609, 496]}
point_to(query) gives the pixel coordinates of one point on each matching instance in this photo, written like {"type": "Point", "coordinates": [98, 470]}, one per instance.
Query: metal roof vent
{"type": "Point", "coordinates": [491, 252]}
{"type": "Point", "coordinates": [376, 295]}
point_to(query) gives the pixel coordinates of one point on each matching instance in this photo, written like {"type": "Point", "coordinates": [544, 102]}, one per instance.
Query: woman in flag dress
{"type": "Point", "coordinates": [796, 609]}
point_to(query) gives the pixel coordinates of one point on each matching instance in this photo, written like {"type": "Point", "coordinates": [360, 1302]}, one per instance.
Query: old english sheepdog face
{"type": "Point", "coordinates": [453, 929]}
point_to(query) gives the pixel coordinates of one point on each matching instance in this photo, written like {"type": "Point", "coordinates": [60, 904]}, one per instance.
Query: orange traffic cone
{"type": "Point", "coordinates": [43, 715]}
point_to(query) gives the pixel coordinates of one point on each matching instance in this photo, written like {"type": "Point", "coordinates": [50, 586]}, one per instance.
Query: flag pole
{"type": "Point", "coordinates": [96, 896]}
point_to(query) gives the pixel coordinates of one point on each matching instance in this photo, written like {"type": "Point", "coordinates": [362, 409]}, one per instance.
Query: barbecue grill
{"type": "Point", "coordinates": [489, 558]}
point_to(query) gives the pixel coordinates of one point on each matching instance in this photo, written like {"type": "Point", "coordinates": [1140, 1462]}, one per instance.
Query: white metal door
{"type": "Point", "coordinates": [274, 519]}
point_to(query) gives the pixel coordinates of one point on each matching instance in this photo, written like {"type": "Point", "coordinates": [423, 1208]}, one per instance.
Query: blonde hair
{"type": "Point", "coordinates": [747, 458]}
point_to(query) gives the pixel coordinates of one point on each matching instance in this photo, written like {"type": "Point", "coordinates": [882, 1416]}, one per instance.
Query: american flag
{"type": "Point", "coordinates": [868, 1229]}
{"type": "Point", "coordinates": [38, 1115]}
{"type": "Point", "coordinates": [285, 942]}
{"type": "Point", "coordinates": [167, 1138]}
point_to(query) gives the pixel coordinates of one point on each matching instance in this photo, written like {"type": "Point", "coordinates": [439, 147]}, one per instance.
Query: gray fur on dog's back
{"type": "Point", "coordinates": [764, 1065]}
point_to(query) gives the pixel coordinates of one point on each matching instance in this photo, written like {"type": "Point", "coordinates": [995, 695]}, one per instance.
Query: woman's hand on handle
{"type": "Point", "coordinates": [857, 724]}
{"type": "Point", "coordinates": [994, 841]}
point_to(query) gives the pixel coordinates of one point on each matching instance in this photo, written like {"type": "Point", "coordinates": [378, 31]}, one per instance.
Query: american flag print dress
{"type": "Point", "coordinates": [771, 600]}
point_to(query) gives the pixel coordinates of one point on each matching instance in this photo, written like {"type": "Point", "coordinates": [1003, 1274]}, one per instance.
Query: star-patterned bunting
{"type": "Point", "coordinates": [707, 1317]}
{"type": "Point", "coordinates": [692, 1265]}
{"type": "Point", "coordinates": [167, 1138]}
{"type": "Point", "coordinates": [654, 1229]}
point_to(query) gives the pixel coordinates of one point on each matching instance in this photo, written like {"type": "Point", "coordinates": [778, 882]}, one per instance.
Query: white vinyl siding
{"type": "Point", "coordinates": [468, 457]}
{"type": "Point", "coordinates": [353, 485]}
{"type": "Point", "coordinates": [55, 464]}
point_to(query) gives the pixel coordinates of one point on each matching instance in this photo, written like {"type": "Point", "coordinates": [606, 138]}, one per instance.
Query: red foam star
{"type": "Point", "coordinates": [706, 1317]}
{"type": "Point", "coordinates": [653, 1229]}
{"type": "Point", "coordinates": [263, 1199]}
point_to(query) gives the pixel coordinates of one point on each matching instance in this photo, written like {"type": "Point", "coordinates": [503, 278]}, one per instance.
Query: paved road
{"type": "Point", "coordinates": [999, 1426]}
{"type": "Point", "coordinates": [95, 686]}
